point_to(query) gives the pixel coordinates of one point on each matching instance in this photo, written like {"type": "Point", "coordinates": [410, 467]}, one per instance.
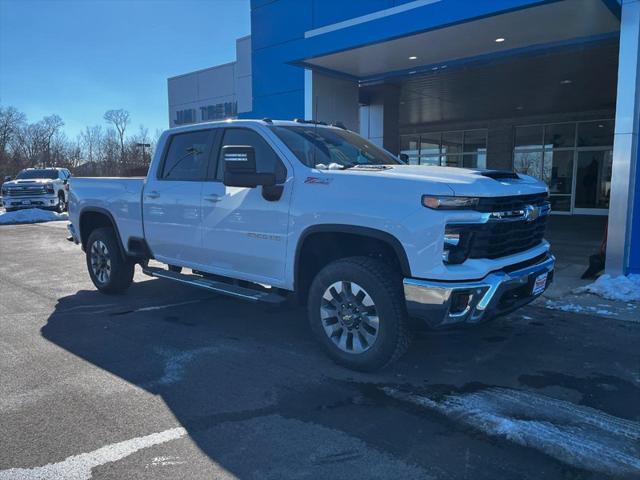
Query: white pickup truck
{"type": "Point", "coordinates": [263, 210]}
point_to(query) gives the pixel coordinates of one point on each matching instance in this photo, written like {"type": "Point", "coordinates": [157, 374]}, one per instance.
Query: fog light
{"type": "Point", "coordinates": [459, 302]}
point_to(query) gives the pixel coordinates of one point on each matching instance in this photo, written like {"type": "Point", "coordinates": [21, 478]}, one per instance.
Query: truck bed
{"type": "Point", "coordinates": [119, 196]}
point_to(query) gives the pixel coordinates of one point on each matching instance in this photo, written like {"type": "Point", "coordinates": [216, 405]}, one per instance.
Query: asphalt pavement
{"type": "Point", "coordinates": [167, 381]}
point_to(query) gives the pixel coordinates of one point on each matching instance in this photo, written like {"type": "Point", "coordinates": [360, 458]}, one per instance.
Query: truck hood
{"type": "Point", "coordinates": [464, 181]}
{"type": "Point", "coordinates": [29, 181]}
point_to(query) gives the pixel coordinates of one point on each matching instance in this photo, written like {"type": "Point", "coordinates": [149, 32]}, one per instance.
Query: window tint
{"type": "Point", "coordinates": [187, 156]}
{"type": "Point", "coordinates": [266, 159]}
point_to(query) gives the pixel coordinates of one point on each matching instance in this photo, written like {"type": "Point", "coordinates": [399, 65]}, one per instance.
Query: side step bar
{"type": "Point", "coordinates": [216, 286]}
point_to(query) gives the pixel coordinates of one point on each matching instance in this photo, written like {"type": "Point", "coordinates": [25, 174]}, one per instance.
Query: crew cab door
{"type": "Point", "coordinates": [244, 230]}
{"type": "Point", "coordinates": [171, 202]}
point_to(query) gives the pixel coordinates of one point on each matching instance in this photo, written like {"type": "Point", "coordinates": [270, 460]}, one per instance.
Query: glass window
{"type": "Point", "coordinates": [595, 134]}
{"type": "Point", "coordinates": [37, 173]}
{"type": "Point", "coordinates": [475, 141]}
{"type": "Point", "coordinates": [529, 137]}
{"type": "Point", "coordinates": [528, 162]}
{"type": "Point", "coordinates": [430, 143]}
{"type": "Point", "coordinates": [452, 142]}
{"type": "Point", "coordinates": [187, 156]}
{"type": "Point", "coordinates": [266, 159]}
{"type": "Point", "coordinates": [593, 179]}
{"type": "Point", "coordinates": [558, 171]}
{"type": "Point", "coordinates": [560, 135]}
{"type": "Point", "coordinates": [409, 146]}
{"type": "Point", "coordinates": [433, 160]}
{"type": "Point", "coordinates": [452, 160]}
{"type": "Point", "coordinates": [185, 116]}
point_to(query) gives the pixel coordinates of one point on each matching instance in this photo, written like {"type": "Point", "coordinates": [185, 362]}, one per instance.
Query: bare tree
{"type": "Point", "coordinates": [11, 120]}
{"type": "Point", "coordinates": [91, 138]}
{"type": "Point", "coordinates": [30, 143]}
{"type": "Point", "coordinates": [50, 126]}
{"type": "Point", "coordinates": [119, 119]}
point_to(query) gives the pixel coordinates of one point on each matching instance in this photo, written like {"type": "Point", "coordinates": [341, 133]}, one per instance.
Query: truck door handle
{"type": "Point", "coordinates": [213, 198]}
{"type": "Point", "coordinates": [152, 194]}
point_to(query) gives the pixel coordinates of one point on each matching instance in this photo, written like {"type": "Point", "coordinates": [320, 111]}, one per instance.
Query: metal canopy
{"type": "Point", "coordinates": [554, 23]}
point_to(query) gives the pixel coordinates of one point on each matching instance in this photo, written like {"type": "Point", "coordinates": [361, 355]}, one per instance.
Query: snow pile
{"type": "Point", "coordinates": [577, 435]}
{"type": "Point", "coordinates": [572, 307]}
{"type": "Point", "coordinates": [626, 289]}
{"type": "Point", "coordinates": [31, 215]}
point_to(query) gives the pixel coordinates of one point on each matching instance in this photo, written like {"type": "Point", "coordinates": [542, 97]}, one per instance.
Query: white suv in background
{"type": "Point", "coordinates": [45, 188]}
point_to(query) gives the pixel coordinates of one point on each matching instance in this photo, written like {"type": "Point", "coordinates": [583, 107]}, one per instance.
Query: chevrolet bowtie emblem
{"type": "Point", "coordinates": [531, 213]}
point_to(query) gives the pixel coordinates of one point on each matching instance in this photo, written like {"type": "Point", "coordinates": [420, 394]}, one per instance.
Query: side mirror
{"type": "Point", "coordinates": [7, 178]}
{"type": "Point", "coordinates": [65, 181]}
{"type": "Point", "coordinates": [404, 157]}
{"type": "Point", "coordinates": [240, 168]}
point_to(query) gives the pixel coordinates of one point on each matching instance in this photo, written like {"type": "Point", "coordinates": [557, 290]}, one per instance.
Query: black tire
{"type": "Point", "coordinates": [62, 203]}
{"type": "Point", "coordinates": [384, 287]}
{"type": "Point", "coordinates": [121, 269]}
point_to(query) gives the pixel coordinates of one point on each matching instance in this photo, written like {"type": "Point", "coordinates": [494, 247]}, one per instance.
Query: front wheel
{"type": "Point", "coordinates": [356, 310]}
{"type": "Point", "coordinates": [62, 204]}
{"type": "Point", "coordinates": [109, 270]}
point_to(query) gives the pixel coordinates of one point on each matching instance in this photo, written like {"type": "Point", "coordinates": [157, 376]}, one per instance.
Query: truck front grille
{"type": "Point", "coordinates": [26, 191]}
{"type": "Point", "coordinates": [512, 225]}
{"type": "Point", "coordinates": [499, 239]}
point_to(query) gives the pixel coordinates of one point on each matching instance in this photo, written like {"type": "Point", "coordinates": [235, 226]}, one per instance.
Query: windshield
{"type": "Point", "coordinates": [320, 146]}
{"type": "Point", "coordinates": [42, 173]}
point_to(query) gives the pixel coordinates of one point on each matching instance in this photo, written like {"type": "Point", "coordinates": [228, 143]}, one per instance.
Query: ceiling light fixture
{"type": "Point", "coordinates": [413, 57]}
{"type": "Point", "coordinates": [499, 40]}
{"type": "Point", "coordinates": [566, 82]}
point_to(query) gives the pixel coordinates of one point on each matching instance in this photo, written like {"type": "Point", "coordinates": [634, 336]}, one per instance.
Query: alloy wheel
{"type": "Point", "coordinates": [100, 261]}
{"type": "Point", "coordinates": [349, 317]}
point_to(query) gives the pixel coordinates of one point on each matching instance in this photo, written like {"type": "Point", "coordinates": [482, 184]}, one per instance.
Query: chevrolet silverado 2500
{"type": "Point", "coordinates": [263, 210]}
{"type": "Point", "coordinates": [44, 188]}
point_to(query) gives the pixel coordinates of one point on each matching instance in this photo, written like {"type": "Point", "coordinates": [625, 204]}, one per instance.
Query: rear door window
{"type": "Point", "coordinates": [187, 156]}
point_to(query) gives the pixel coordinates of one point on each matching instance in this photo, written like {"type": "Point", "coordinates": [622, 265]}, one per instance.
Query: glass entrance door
{"type": "Point", "coordinates": [593, 181]}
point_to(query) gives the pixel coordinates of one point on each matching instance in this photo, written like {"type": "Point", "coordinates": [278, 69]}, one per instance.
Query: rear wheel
{"type": "Point", "coordinates": [356, 310]}
{"type": "Point", "coordinates": [109, 270]}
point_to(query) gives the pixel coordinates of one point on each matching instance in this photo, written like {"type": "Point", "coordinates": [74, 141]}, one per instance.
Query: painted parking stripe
{"type": "Point", "coordinates": [78, 467]}
{"type": "Point", "coordinates": [579, 436]}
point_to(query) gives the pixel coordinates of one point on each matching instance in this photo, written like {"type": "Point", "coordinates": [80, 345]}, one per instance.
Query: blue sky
{"type": "Point", "coordinates": [79, 58]}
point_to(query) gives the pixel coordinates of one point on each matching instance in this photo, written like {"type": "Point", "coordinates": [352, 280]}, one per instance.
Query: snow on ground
{"type": "Point", "coordinates": [31, 215]}
{"type": "Point", "coordinates": [574, 434]}
{"type": "Point", "coordinates": [572, 307]}
{"type": "Point", "coordinates": [626, 289]}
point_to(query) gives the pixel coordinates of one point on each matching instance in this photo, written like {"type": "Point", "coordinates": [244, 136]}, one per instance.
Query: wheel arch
{"type": "Point", "coordinates": [91, 218]}
{"type": "Point", "coordinates": [339, 241]}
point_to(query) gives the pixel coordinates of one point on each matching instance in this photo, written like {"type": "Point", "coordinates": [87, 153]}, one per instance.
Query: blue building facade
{"type": "Point", "coordinates": [546, 87]}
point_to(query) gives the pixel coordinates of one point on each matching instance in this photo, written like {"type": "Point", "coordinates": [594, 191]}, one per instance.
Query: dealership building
{"type": "Point", "coordinates": [549, 88]}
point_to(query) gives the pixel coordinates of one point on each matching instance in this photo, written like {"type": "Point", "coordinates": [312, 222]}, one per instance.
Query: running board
{"type": "Point", "coordinates": [216, 286]}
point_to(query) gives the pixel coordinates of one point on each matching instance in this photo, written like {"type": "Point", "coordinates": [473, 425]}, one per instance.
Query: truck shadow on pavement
{"type": "Point", "coordinates": [260, 399]}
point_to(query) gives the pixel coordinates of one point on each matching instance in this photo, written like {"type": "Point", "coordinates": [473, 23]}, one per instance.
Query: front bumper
{"type": "Point", "coordinates": [441, 304]}
{"type": "Point", "coordinates": [40, 201]}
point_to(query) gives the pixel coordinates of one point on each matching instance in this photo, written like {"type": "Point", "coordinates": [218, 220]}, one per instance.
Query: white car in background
{"type": "Point", "coordinates": [45, 188]}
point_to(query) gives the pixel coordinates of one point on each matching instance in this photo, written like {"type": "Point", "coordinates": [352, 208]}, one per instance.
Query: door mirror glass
{"type": "Point", "coordinates": [404, 157]}
{"type": "Point", "coordinates": [240, 168]}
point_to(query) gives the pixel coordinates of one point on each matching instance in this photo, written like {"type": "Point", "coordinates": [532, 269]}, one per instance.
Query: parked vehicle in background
{"type": "Point", "coordinates": [259, 210]}
{"type": "Point", "coordinates": [45, 188]}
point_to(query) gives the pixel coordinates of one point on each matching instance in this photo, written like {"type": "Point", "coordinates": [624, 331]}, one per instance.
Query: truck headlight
{"type": "Point", "coordinates": [449, 202]}
{"type": "Point", "coordinates": [49, 188]}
